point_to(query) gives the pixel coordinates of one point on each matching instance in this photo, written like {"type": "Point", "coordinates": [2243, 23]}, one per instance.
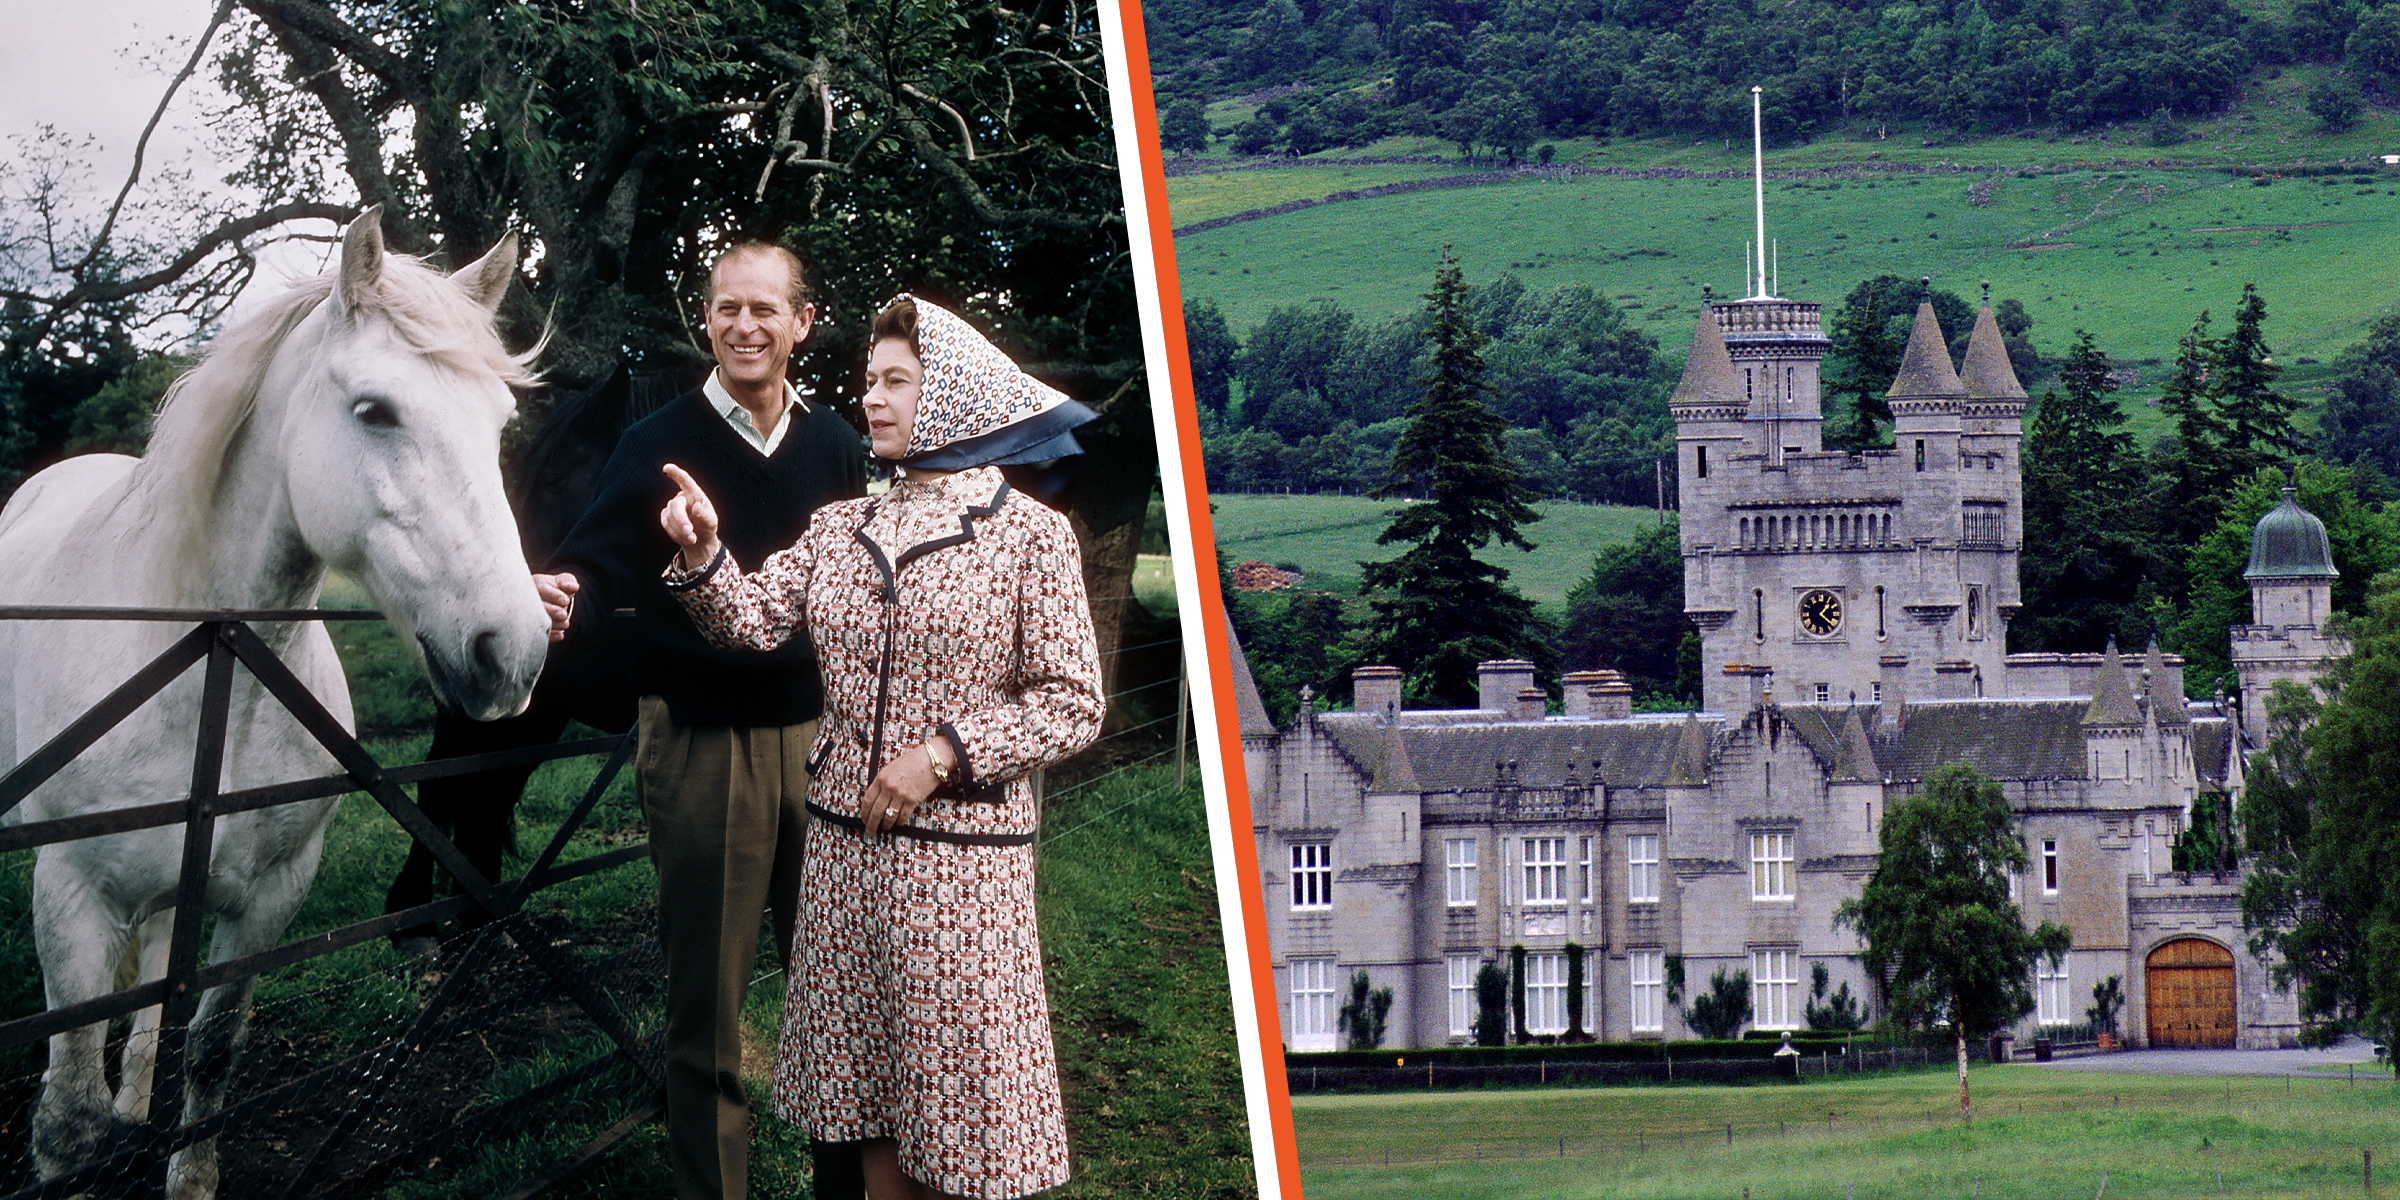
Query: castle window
{"type": "Point", "coordinates": [1584, 890]}
{"type": "Point", "coordinates": [1546, 870]}
{"type": "Point", "coordinates": [1462, 993]}
{"type": "Point", "coordinates": [1880, 630]}
{"type": "Point", "coordinates": [2050, 992]}
{"type": "Point", "coordinates": [1649, 990]}
{"type": "Point", "coordinates": [1824, 693]}
{"type": "Point", "coordinates": [1545, 993]}
{"type": "Point", "coordinates": [2049, 866]}
{"type": "Point", "coordinates": [1458, 871]}
{"type": "Point", "coordinates": [1771, 866]}
{"type": "Point", "coordinates": [1312, 1003]}
{"type": "Point", "coordinates": [1700, 460]}
{"type": "Point", "coordinates": [1774, 979]}
{"type": "Point", "coordinates": [1312, 875]}
{"type": "Point", "coordinates": [1920, 454]}
{"type": "Point", "coordinates": [1641, 868]}
{"type": "Point", "coordinates": [1758, 614]}
{"type": "Point", "coordinates": [1875, 692]}
{"type": "Point", "coordinates": [1974, 611]}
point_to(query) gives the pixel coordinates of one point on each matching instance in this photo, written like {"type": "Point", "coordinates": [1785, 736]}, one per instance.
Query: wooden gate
{"type": "Point", "coordinates": [2190, 988]}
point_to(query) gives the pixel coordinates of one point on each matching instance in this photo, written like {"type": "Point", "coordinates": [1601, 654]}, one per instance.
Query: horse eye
{"type": "Point", "coordinates": [375, 413]}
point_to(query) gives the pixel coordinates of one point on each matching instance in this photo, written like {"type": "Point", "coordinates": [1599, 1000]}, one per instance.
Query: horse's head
{"type": "Point", "coordinates": [385, 407]}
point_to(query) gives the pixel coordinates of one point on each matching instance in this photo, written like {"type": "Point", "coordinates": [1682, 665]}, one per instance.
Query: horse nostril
{"type": "Point", "coordinates": [487, 652]}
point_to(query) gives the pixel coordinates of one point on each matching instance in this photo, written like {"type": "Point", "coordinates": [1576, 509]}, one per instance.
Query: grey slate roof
{"type": "Point", "coordinates": [2005, 739]}
{"type": "Point", "coordinates": [1925, 368]}
{"type": "Point", "coordinates": [1988, 374]}
{"type": "Point", "coordinates": [1456, 752]}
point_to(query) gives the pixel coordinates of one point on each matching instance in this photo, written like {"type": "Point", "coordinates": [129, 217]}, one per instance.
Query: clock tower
{"type": "Point", "coordinates": [1846, 577]}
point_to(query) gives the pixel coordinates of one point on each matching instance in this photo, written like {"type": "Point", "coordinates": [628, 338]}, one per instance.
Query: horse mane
{"type": "Point", "coordinates": [205, 410]}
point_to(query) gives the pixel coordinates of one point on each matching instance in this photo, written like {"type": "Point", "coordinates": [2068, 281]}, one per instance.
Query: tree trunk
{"type": "Point", "coordinates": [1965, 1113]}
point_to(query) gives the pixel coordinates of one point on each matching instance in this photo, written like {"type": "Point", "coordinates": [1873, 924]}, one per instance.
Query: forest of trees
{"type": "Point", "coordinates": [1500, 75]}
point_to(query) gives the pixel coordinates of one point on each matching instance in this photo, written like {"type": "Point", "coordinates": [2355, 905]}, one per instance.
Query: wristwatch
{"type": "Point", "coordinates": [944, 774]}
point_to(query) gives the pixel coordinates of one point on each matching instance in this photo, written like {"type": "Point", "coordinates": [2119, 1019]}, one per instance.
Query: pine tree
{"type": "Point", "coordinates": [2193, 470]}
{"type": "Point", "coordinates": [2086, 554]}
{"type": "Point", "coordinates": [2256, 418]}
{"type": "Point", "coordinates": [1440, 610]}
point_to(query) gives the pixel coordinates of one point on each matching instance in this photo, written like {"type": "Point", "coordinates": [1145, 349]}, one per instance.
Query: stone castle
{"type": "Point", "coordinates": [1853, 610]}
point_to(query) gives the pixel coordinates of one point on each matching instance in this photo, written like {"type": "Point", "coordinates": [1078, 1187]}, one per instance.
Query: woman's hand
{"type": "Point", "coordinates": [690, 520]}
{"type": "Point", "coordinates": [896, 791]}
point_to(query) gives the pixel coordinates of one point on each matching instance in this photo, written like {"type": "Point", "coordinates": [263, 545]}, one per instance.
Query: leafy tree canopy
{"type": "Point", "coordinates": [1936, 916]}
{"type": "Point", "coordinates": [2365, 542]}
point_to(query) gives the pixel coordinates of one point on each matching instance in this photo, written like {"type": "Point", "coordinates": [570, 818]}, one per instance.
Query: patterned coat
{"type": "Point", "coordinates": [951, 608]}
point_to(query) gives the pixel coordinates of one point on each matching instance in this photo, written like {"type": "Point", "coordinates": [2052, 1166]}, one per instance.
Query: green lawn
{"type": "Point", "coordinates": [1328, 536]}
{"type": "Point", "coordinates": [2038, 1134]}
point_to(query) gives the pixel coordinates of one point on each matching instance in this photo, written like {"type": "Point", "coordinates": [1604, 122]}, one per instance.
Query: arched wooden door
{"type": "Point", "coordinates": [2190, 986]}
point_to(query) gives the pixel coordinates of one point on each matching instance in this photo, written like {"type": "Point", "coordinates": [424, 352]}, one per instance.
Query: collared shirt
{"type": "Point", "coordinates": [739, 417]}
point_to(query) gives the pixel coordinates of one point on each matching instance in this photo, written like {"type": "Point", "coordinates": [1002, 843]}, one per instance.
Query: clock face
{"type": "Point", "coordinates": [1820, 612]}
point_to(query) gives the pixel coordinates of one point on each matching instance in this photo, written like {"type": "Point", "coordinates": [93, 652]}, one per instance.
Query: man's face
{"type": "Point", "coordinates": [751, 322]}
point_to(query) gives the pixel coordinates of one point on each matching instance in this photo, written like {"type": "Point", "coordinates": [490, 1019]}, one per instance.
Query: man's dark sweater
{"type": "Point", "coordinates": [763, 503]}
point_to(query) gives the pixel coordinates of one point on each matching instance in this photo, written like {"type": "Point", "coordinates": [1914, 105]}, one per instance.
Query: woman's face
{"type": "Point", "coordinates": [894, 380]}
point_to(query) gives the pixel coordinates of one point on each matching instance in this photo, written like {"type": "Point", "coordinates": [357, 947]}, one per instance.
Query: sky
{"type": "Point", "coordinates": [102, 78]}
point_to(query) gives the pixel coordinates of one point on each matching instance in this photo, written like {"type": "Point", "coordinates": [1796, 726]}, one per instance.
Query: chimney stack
{"type": "Point", "coordinates": [1375, 691]}
{"type": "Point", "coordinates": [1499, 681]}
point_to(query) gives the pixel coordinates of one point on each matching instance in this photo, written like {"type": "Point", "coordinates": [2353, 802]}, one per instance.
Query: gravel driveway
{"type": "Point", "coordinates": [2305, 1064]}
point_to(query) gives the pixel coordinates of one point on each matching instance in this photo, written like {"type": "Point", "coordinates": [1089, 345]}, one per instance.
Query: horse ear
{"type": "Point", "coordinates": [486, 279]}
{"type": "Point", "coordinates": [362, 259]}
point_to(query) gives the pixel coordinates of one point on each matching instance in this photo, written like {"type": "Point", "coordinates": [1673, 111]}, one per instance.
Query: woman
{"type": "Point", "coordinates": [950, 619]}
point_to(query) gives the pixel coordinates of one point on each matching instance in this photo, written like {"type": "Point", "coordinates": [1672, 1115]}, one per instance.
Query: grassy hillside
{"type": "Point", "coordinates": [2129, 250]}
{"type": "Point", "coordinates": [1326, 537]}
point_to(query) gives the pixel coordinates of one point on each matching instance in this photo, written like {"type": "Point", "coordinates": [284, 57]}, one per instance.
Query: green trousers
{"type": "Point", "coordinates": [726, 806]}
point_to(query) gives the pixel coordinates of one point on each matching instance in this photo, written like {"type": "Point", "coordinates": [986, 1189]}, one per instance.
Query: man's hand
{"type": "Point", "coordinates": [558, 599]}
{"type": "Point", "coordinates": [690, 520]}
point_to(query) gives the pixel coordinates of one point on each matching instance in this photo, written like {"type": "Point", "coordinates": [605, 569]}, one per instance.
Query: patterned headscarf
{"type": "Point", "coordinates": [977, 406]}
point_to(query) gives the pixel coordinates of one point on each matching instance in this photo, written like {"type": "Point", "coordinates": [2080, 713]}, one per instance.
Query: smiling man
{"type": "Point", "coordinates": [725, 734]}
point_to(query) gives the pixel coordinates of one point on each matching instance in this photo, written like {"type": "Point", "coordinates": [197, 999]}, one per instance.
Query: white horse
{"type": "Point", "coordinates": [355, 425]}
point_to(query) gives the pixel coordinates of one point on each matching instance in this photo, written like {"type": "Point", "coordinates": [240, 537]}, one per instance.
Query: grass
{"type": "Point", "coordinates": [2133, 256]}
{"type": "Point", "coordinates": [1326, 537]}
{"type": "Point", "coordinates": [1137, 973]}
{"type": "Point", "coordinates": [2038, 1133]}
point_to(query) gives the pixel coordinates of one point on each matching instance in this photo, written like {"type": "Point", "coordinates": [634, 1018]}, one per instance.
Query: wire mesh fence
{"type": "Point", "coordinates": [519, 1054]}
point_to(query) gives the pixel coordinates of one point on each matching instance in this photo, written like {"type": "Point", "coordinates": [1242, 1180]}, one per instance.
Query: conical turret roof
{"type": "Point", "coordinates": [1691, 755]}
{"type": "Point", "coordinates": [1394, 774]}
{"type": "Point", "coordinates": [2112, 700]}
{"type": "Point", "coordinates": [1250, 708]}
{"type": "Point", "coordinates": [1708, 375]}
{"type": "Point", "coordinates": [2290, 542]}
{"type": "Point", "coordinates": [1925, 368]}
{"type": "Point", "coordinates": [2168, 706]}
{"type": "Point", "coordinates": [1988, 374]}
{"type": "Point", "coordinates": [1854, 759]}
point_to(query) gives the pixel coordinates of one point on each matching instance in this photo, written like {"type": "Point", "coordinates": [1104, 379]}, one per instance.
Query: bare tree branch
{"type": "Point", "coordinates": [141, 146]}
{"type": "Point", "coordinates": [230, 233]}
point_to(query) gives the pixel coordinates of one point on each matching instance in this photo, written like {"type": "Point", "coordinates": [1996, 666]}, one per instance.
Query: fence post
{"type": "Point", "coordinates": [1183, 710]}
{"type": "Point", "coordinates": [183, 946]}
